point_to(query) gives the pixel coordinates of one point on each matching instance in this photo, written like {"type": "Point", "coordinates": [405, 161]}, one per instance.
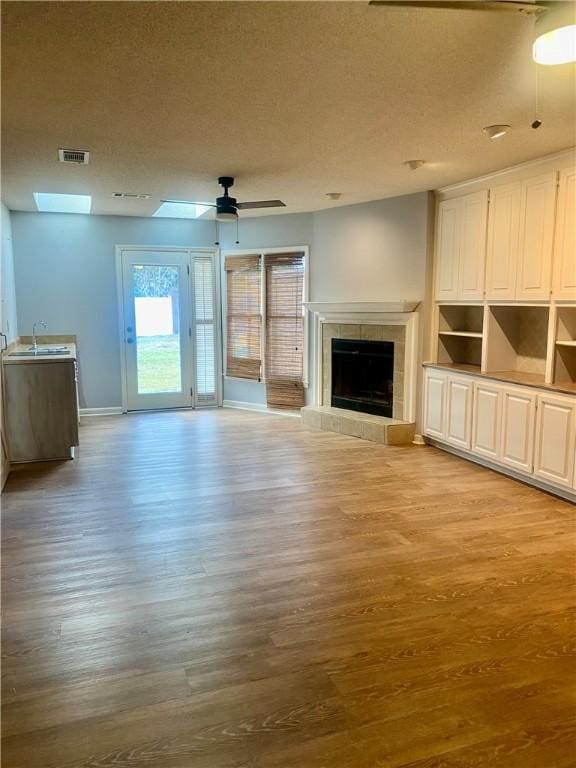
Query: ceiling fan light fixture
{"type": "Point", "coordinates": [555, 35]}
{"type": "Point", "coordinates": [496, 131]}
{"type": "Point", "coordinates": [226, 216]}
{"type": "Point", "coordinates": [556, 47]}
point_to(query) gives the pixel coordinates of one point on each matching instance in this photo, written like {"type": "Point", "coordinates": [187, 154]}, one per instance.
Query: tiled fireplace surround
{"type": "Point", "coordinates": [375, 321]}
{"type": "Point", "coordinates": [395, 333]}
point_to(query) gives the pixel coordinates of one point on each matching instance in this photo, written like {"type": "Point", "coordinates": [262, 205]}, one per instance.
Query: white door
{"type": "Point", "coordinates": [518, 415]}
{"type": "Point", "coordinates": [434, 403]}
{"type": "Point", "coordinates": [537, 207]}
{"type": "Point", "coordinates": [503, 234]}
{"type": "Point", "coordinates": [448, 248]}
{"type": "Point", "coordinates": [486, 420]}
{"type": "Point", "coordinates": [554, 452]}
{"type": "Point", "coordinates": [458, 411]}
{"type": "Point", "coordinates": [169, 333]}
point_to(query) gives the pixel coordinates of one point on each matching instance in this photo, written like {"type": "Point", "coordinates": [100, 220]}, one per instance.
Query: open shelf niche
{"type": "Point", "coordinates": [460, 333]}
{"type": "Point", "coordinates": [517, 341]}
{"type": "Point", "coordinates": [565, 346]}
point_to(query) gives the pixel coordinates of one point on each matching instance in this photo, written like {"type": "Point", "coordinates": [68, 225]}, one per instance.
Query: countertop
{"type": "Point", "coordinates": [509, 377]}
{"type": "Point", "coordinates": [9, 359]}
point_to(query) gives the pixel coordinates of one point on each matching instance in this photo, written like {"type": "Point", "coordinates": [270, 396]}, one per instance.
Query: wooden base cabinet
{"type": "Point", "coordinates": [555, 427]}
{"type": "Point", "coordinates": [524, 429]}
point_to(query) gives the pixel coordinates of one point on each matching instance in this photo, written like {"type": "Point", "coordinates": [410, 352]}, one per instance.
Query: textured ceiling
{"type": "Point", "coordinates": [295, 99]}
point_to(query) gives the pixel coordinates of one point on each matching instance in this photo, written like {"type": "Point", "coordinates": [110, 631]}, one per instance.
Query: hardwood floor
{"type": "Point", "coordinates": [224, 589]}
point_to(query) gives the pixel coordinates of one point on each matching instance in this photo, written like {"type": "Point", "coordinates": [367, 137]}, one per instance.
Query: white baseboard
{"type": "Point", "coordinates": [111, 411]}
{"type": "Point", "coordinates": [259, 407]}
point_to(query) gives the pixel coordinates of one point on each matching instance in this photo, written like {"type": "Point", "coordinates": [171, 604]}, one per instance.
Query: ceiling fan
{"type": "Point", "coordinates": [468, 5]}
{"type": "Point", "coordinates": [227, 207]}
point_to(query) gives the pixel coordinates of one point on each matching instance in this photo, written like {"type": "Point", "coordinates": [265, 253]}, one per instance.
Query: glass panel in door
{"type": "Point", "coordinates": [157, 316]}
{"type": "Point", "coordinates": [157, 332]}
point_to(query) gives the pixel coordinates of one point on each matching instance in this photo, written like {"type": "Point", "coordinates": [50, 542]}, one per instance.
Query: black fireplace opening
{"type": "Point", "coordinates": [363, 375]}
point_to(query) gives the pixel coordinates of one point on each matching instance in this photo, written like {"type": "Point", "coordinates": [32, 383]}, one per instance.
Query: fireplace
{"type": "Point", "coordinates": [363, 375]}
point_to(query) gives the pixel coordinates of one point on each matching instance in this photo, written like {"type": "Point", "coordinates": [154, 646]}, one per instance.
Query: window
{"type": "Point", "coordinates": [265, 323]}
{"type": "Point", "coordinates": [244, 317]}
{"type": "Point", "coordinates": [285, 330]}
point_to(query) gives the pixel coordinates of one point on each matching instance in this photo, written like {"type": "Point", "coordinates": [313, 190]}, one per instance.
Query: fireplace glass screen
{"type": "Point", "coordinates": [363, 375]}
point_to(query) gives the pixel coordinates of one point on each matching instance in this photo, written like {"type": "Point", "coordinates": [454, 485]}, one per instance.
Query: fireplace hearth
{"type": "Point", "coordinates": [363, 376]}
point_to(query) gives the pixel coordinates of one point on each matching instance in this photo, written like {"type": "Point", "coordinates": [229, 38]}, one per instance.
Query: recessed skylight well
{"type": "Point", "coordinates": [183, 210]}
{"type": "Point", "coordinates": [50, 202]}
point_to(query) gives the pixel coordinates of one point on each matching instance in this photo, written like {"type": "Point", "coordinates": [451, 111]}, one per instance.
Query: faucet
{"type": "Point", "coordinates": [42, 324]}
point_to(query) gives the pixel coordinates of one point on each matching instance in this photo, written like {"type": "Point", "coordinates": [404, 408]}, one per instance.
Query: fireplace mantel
{"type": "Point", "coordinates": [392, 312]}
{"type": "Point", "coordinates": [362, 307]}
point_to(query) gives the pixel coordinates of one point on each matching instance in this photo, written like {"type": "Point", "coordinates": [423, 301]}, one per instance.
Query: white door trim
{"type": "Point", "coordinates": [119, 249]}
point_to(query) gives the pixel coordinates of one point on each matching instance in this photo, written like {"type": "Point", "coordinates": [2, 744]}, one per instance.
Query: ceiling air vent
{"type": "Point", "coordinates": [78, 156]}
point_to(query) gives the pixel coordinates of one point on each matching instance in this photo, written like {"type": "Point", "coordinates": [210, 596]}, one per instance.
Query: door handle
{"type": "Point", "coordinates": [129, 341]}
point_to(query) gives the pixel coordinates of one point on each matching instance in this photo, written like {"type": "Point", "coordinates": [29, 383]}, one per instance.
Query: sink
{"type": "Point", "coordinates": [49, 350]}
{"type": "Point", "coordinates": [41, 352]}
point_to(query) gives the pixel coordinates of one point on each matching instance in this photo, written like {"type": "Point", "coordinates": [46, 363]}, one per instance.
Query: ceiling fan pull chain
{"type": "Point", "coordinates": [536, 123]}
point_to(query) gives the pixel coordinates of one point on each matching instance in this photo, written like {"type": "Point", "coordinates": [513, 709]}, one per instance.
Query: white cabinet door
{"type": "Point", "coordinates": [434, 403]}
{"type": "Point", "coordinates": [537, 215]}
{"type": "Point", "coordinates": [502, 247]}
{"type": "Point", "coordinates": [473, 246]}
{"type": "Point", "coordinates": [448, 248]}
{"type": "Point", "coordinates": [565, 241]}
{"type": "Point", "coordinates": [458, 411]}
{"type": "Point", "coordinates": [486, 420]}
{"type": "Point", "coordinates": [518, 416]}
{"type": "Point", "coordinates": [555, 437]}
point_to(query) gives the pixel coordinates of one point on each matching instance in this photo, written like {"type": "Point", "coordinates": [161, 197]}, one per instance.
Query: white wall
{"type": "Point", "coordinates": [65, 270]}
{"type": "Point", "coordinates": [8, 316]}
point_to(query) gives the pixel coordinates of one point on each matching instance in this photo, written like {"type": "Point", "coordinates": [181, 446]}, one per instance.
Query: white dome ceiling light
{"type": "Point", "coordinates": [556, 35]}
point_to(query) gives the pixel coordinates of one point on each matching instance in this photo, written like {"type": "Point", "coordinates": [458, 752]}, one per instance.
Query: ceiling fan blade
{"type": "Point", "coordinates": [190, 202]}
{"type": "Point", "coordinates": [465, 5]}
{"type": "Point", "coordinates": [262, 204]}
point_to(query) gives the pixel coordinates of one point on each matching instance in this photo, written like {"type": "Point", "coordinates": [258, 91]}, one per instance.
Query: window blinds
{"type": "Point", "coordinates": [205, 329]}
{"type": "Point", "coordinates": [244, 320]}
{"type": "Point", "coordinates": [284, 330]}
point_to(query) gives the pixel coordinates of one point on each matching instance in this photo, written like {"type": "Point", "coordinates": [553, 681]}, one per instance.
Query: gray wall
{"type": "Point", "coordinates": [65, 275]}
{"type": "Point", "coordinates": [65, 270]}
{"type": "Point", "coordinates": [370, 252]}
{"type": "Point", "coordinates": [8, 317]}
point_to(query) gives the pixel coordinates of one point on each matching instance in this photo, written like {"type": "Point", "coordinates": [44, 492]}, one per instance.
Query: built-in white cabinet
{"type": "Point", "coordinates": [537, 218]}
{"type": "Point", "coordinates": [434, 403]}
{"type": "Point", "coordinates": [461, 247]}
{"type": "Point", "coordinates": [565, 240]}
{"type": "Point", "coordinates": [502, 245]}
{"type": "Point", "coordinates": [486, 419]}
{"type": "Point", "coordinates": [520, 239]}
{"type": "Point", "coordinates": [448, 249]}
{"type": "Point", "coordinates": [517, 427]}
{"type": "Point", "coordinates": [458, 411]}
{"type": "Point", "coordinates": [555, 441]}
{"type": "Point", "coordinates": [517, 441]}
